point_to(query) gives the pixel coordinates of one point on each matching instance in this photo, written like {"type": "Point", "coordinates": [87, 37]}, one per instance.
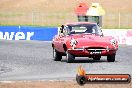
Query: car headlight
{"type": "Point", "coordinates": [73, 42]}
{"type": "Point", "coordinates": [113, 42]}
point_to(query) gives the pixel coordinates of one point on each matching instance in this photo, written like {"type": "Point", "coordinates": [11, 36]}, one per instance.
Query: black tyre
{"type": "Point", "coordinates": [81, 80]}
{"type": "Point", "coordinates": [56, 55]}
{"type": "Point", "coordinates": [111, 58]}
{"type": "Point", "coordinates": [96, 57]}
{"type": "Point", "coordinates": [70, 58]}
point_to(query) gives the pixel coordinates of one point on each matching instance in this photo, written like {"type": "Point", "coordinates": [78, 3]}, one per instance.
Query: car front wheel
{"type": "Point", "coordinates": [70, 58]}
{"type": "Point", "coordinates": [111, 58]}
{"type": "Point", "coordinates": [56, 55]}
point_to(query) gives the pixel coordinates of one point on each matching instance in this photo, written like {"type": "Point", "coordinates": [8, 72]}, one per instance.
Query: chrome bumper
{"type": "Point", "coordinates": [83, 49]}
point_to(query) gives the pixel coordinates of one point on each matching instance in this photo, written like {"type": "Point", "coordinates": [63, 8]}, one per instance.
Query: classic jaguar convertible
{"type": "Point", "coordinates": [83, 39]}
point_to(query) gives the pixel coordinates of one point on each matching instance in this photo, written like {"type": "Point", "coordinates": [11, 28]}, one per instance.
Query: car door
{"type": "Point", "coordinates": [59, 40]}
{"type": "Point", "coordinates": [56, 42]}
{"type": "Point", "coordinates": [62, 39]}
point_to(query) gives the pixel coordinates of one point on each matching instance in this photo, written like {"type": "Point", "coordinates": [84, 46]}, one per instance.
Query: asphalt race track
{"type": "Point", "coordinates": [32, 60]}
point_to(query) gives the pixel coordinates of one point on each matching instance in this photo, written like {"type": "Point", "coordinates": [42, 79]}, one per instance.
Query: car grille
{"type": "Point", "coordinates": [92, 49]}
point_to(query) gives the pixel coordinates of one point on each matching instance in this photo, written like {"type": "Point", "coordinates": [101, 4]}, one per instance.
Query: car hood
{"type": "Point", "coordinates": [92, 40]}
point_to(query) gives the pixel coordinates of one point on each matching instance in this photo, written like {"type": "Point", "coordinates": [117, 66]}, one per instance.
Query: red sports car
{"type": "Point", "coordinates": [83, 39]}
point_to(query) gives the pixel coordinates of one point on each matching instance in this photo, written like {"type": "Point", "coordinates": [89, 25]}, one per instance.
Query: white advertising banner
{"type": "Point", "coordinates": [123, 36]}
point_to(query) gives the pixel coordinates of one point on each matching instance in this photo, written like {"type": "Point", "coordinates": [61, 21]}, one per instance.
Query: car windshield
{"type": "Point", "coordinates": [83, 28]}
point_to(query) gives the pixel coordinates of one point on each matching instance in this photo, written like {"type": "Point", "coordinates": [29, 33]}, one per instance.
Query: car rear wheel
{"type": "Point", "coordinates": [56, 55]}
{"type": "Point", "coordinates": [111, 58]}
{"type": "Point", "coordinates": [70, 58]}
{"type": "Point", "coordinates": [96, 57]}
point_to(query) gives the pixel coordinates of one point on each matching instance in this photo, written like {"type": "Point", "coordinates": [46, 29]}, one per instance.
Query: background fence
{"type": "Point", "coordinates": [111, 20]}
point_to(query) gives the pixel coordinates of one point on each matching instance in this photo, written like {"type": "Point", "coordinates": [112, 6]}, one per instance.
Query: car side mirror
{"type": "Point", "coordinates": [61, 30]}
{"type": "Point", "coordinates": [101, 34]}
